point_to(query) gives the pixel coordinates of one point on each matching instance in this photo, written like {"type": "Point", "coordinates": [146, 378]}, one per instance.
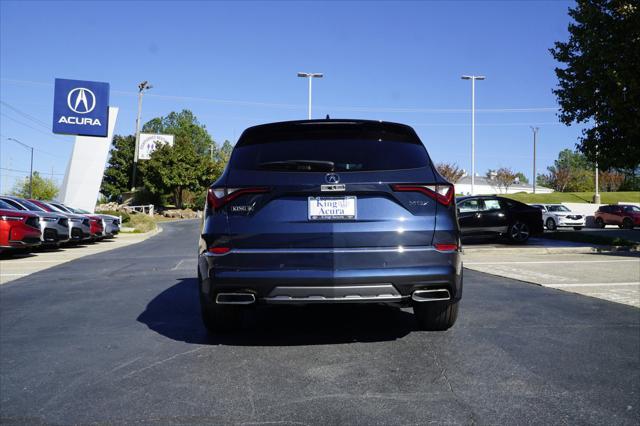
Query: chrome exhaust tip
{"type": "Point", "coordinates": [437, 295]}
{"type": "Point", "coordinates": [235, 298]}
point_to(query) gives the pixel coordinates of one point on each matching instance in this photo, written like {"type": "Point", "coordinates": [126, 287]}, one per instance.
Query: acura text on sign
{"type": "Point", "coordinates": [81, 107]}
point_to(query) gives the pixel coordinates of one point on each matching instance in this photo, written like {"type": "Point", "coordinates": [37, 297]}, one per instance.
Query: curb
{"type": "Point", "coordinates": [551, 250]}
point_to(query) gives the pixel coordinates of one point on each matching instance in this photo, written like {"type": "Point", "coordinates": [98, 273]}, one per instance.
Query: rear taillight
{"type": "Point", "coordinates": [219, 250]}
{"type": "Point", "coordinates": [218, 197]}
{"type": "Point", "coordinates": [442, 193]}
{"type": "Point", "coordinates": [446, 247]}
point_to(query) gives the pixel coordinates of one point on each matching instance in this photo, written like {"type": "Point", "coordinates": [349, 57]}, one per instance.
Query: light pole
{"type": "Point", "coordinates": [535, 137]}
{"type": "Point", "coordinates": [142, 87]}
{"type": "Point", "coordinates": [473, 79]}
{"type": "Point", "coordinates": [310, 76]}
{"type": "Point", "coordinates": [596, 196]}
{"type": "Point", "coordinates": [31, 169]}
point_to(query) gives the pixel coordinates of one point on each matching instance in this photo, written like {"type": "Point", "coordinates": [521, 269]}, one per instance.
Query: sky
{"type": "Point", "coordinates": [234, 65]}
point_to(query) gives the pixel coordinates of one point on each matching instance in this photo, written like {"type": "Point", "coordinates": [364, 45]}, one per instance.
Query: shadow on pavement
{"type": "Point", "coordinates": [175, 313]}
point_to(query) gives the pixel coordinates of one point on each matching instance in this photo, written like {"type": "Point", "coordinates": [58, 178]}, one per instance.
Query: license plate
{"type": "Point", "coordinates": [332, 208]}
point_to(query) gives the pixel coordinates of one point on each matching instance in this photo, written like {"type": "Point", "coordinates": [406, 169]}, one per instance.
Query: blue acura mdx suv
{"type": "Point", "coordinates": [330, 211]}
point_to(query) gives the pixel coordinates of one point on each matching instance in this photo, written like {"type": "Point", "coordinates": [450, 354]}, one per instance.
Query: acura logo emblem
{"type": "Point", "coordinates": [332, 178]}
{"type": "Point", "coordinates": [81, 100]}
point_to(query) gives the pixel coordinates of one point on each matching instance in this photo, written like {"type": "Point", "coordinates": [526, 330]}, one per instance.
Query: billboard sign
{"type": "Point", "coordinates": [150, 142]}
{"type": "Point", "coordinates": [81, 107]}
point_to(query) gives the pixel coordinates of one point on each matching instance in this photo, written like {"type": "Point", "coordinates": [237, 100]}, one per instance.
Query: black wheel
{"type": "Point", "coordinates": [435, 316]}
{"type": "Point", "coordinates": [218, 318]}
{"type": "Point", "coordinates": [577, 228]}
{"type": "Point", "coordinates": [600, 223]}
{"type": "Point", "coordinates": [627, 223]}
{"type": "Point", "coordinates": [519, 232]}
{"type": "Point", "coordinates": [551, 224]}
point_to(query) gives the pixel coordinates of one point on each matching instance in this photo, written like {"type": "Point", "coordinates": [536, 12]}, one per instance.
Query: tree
{"type": "Point", "coordinates": [505, 178]}
{"type": "Point", "coordinates": [522, 178]}
{"type": "Point", "coordinates": [184, 126]}
{"type": "Point", "coordinates": [43, 188]}
{"type": "Point", "coordinates": [571, 172]}
{"type": "Point", "coordinates": [610, 181]}
{"type": "Point", "coordinates": [450, 171]}
{"type": "Point", "coordinates": [117, 175]}
{"type": "Point", "coordinates": [185, 166]}
{"type": "Point", "coordinates": [600, 84]}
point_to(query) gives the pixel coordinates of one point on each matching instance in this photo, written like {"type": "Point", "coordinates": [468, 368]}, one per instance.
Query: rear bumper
{"type": "Point", "coordinates": [371, 275]}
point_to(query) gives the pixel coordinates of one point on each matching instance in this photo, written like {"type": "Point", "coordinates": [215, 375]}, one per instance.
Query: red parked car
{"type": "Point", "coordinates": [624, 215]}
{"type": "Point", "coordinates": [18, 229]}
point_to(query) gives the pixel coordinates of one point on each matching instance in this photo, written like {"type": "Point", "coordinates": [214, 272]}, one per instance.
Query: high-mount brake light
{"type": "Point", "coordinates": [442, 193]}
{"type": "Point", "coordinates": [219, 197]}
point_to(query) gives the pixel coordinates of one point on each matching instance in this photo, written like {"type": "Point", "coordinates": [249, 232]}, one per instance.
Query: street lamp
{"type": "Point", "coordinates": [142, 87]}
{"type": "Point", "coordinates": [473, 79]}
{"type": "Point", "coordinates": [31, 170]}
{"type": "Point", "coordinates": [310, 76]}
{"type": "Point", "coordinates": [535, 138]}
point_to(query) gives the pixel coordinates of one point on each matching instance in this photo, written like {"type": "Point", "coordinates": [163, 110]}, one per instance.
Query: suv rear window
{"type": "Point", "coordinates": [343, 155]}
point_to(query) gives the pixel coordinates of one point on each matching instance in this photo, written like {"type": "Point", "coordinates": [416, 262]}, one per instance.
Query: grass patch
{"type": "Point", "coordinates": [141, 223]}
{"type": "Point", "coordinates": [576, 197]}
{"type": "Point", "coordinates": [580, 237]}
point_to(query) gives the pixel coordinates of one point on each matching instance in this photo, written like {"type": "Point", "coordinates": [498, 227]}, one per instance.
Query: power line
{"type": "Point", "coordinates": [27, 171]}
{"type": "Point", "coordinates": [24, 114]}
{"type": "Point", "coordinates": [327, 107]}
{"type": "Point", "coordinates": [24, 124]}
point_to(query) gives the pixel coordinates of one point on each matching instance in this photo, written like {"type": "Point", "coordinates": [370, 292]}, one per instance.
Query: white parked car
{"type": "Point", "coordinates": [559, 216]}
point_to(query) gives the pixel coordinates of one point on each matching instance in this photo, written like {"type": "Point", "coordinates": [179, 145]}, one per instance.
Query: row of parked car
{"type": "Point", "coordinates": [494, 216]}
{"type": "Point", "coordinates": [27, 223]}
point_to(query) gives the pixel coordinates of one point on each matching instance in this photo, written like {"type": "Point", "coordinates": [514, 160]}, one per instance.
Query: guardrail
{"type": "Point", "coordinates": [146, 209]}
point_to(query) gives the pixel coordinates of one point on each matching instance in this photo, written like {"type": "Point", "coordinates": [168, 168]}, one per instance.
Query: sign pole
{"type": "Point", "coordinates": [141, 88]}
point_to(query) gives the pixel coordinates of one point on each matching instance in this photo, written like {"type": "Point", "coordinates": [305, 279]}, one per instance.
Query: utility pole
{"type": "Point", "coordinates": [535, 137]}
{"type": "Point", "coordinates": [142, 87]}
{"type": "Point", "coordinates": [596, 197]}
{"type": "Point", "coordinates": [31, 168]}
{"type": "Point", "coordinates": [310, 76]}
{"type": "Point", "coordinates": [473, 79]}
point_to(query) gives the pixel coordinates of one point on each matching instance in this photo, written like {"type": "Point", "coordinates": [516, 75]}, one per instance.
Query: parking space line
{"type": "Point", "coordinates": [523, 262]}
{"type": "Point", "coordinates": [593, 285]}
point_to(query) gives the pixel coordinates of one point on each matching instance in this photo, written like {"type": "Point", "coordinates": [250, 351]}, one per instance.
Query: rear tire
{"type": "Point", "coordinates": [551, 224]}
{"type": "Point", "coordinates": [435, 316]}
{"type": "Point", "coordinates": [627, 223]}
{"type": "Point", "coordinates": [600, 223]}
{"type": "Point", "coordinates": [219, 318]}
{"type": "Point", "coordinates": [577, 228]}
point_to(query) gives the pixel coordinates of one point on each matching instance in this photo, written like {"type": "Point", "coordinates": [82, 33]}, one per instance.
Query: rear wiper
{"type": "Point", "coordinates": [299, 165]}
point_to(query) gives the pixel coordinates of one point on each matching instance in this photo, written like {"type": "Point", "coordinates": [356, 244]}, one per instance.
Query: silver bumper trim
{"type": "Point", "coordinates": [397, 249]}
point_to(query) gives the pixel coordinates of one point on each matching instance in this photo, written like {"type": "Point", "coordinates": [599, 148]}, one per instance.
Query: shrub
{"type": "Point", "coordinates": [142, 222]}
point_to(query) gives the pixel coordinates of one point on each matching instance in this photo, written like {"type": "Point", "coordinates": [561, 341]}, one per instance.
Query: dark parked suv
{"type": "Point", "coordinates": [330, 211]}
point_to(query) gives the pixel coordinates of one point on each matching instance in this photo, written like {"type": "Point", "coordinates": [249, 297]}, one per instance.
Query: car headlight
{"type": "Point", "coordinates": [75, 219]}
{"type": "Point", "coordinates": [49, 219]}
{"type": "Point", "coordinates": [12, 217]}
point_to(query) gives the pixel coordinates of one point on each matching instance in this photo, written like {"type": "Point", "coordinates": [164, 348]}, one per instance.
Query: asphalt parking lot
{"type": "Point", "coordinates": [17, 265]}
{"type": "Point", "coordinates": [117, 338]}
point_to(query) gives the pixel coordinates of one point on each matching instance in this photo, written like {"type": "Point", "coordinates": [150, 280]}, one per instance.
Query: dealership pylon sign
{"type": "Point", "coordinates": [81, 107]}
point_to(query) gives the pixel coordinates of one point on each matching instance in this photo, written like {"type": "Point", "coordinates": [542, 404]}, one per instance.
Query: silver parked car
{"type": "Point", "coordinates": [79, 226]}
{"type": "Point", "coordinates": [110, 223]}
{"type": "Point", "coordinates": [54, 226]}
{"type": "Point", "coordinates": [559, 216]}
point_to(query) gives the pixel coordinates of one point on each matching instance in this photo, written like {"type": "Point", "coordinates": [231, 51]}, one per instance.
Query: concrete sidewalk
{"type": "Point", "coordinates": [17, 266]}
{"type": "Point", "coordinates": [613, 276]}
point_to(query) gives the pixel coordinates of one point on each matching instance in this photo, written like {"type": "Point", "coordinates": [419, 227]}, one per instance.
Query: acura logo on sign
{"type": "Point", "coordinates": [81, 100]}
{"type": "Point", "coordinates": [332, 178]}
